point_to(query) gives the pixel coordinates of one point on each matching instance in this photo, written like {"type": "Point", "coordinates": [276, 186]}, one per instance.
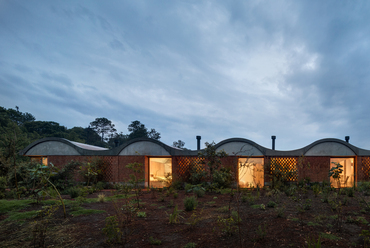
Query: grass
{"type": "Point", "coordinates": [13, 205]}
{"type": "Point", "coordinates": [313, 224]}
{"type": "Point", "coordinates": [83, 211]}
{"type": "Point", "coordinates": [15, 216]}
{"type": "Point", "coordinates": [329, 236]}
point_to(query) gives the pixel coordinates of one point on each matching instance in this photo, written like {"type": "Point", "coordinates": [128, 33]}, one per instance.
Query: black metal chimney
{"type": "Point", "coordinates": [273, 141]}
{"type": "Point", "coordinates": [116, 142]}
{"type": "Point", "coordinates": [198, 142]}
{"type": "Point", "coordinates": [347, 139]}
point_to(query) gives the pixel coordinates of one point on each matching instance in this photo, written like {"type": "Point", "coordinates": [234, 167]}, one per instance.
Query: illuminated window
{"type": "Point", "coordinates": [251, 172]}
{"type": "Point", "coordinates": [347, 175]}
{"type": "Point", "coordinates": [44, 160]}
{"type": "Point", "coordinates": [160, 171]}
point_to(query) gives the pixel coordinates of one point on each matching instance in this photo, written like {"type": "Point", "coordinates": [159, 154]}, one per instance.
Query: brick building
{"type": "Point", "coordinates": [250, 162]}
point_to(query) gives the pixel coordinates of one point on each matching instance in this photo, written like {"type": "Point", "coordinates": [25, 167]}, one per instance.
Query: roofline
{"type": "Point", "coordinates": [178, 152]}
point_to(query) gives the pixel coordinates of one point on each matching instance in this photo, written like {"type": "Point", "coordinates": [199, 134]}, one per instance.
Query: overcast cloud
{"type": "Point", "coordinates": [299, 70]}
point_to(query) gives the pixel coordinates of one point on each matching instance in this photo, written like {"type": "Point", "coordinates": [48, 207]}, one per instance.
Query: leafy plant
{"type": "Point", "coordinates": [141, 214]}
{"type": "Point", "coordinates": [194, 219]}
{"type": "Point", "coordinates": [227, 225]}
{"type": "Point", "coordinates": [136, 178]}
{"type": "Point", "coordinates": [261, 232]}
{"type": "Point", "coordinates": [316, 189]}
{"type": "Point", "coordinates": [111, 230]}
{"type": "Point", "coordinates": [101, 198]}
{"type": "Point", "coordinates": [174, 216]}
{"type": "Point", "coordinates": [3, 185]}
{"type": "Point", "coordinates": [190, 245]}
{"type": "Point", "coordinates": [366, 235]}
{"type": "Point", "coordinates": [42, 174]}
{"type": "Point", "coordinates": [312, 243]}
{"type": "Point", "coordinates": [212, 159]}
{"type": "Point", "coordinates": [271, 204]}
{"type": "Point", "coordinates": [40, 227]}
{"type": "Point", "coordinates": [335, 172]}
{"type": "Point", "coordinates": [154, 241]}
{"type": "Point", "coordinates": [190, 203]}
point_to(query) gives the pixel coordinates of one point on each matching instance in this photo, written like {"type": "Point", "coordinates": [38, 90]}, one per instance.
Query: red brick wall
{"type": "Point", "coordinates": [363, 168]}
{"type": "Point", "coordinates": [115, 172]}
{"type": "Point", "coordinates": [314, 168]}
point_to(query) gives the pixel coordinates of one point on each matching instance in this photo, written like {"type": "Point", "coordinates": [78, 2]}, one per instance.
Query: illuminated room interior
{"type": "Point", "coordinates": [251, 172]}
{"type": "Point", "coordinates": [159, 168]}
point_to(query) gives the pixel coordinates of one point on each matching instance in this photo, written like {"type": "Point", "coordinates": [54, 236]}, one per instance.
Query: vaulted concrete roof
{"type": "Point", "coordinates": [150, 147]}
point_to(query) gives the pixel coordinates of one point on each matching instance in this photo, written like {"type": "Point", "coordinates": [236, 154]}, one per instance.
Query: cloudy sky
{"type": "Point", "coordinates": [299, 70]}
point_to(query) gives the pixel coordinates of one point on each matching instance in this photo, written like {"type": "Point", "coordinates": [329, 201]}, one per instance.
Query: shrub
{"type": "Point", "coordinates": [190, 245]}
{"type": "Point", "coordinates": [141, 214]}
{"type": "Point", "coordinates": [223, 177]}
{"type": "Point", "coordinates": [174, 217]}
{"type": "Point", "coordinates": [74, 192]}
{"type": "Point", "coordinates": [101, 198]}
{"type": "Point", "coordinates": [100, 185]}
{"type": "Point", "coordinates": [197, 174]}
{"type": "Point", "coordinates": [227, 225]}
{"type": "Point", "coordinates": [190, 203]}
{"type": "Point", "coordinates": [111, 229]}
{"type": "Point", "coordinates": [64, 178]}
{"type": "Point", "coordinates": [154, 241]}
{"type": "Point", "coordinates": [199, 192]}
{"type": "Point", "coordinates": [271, 204]}
{"type": "Point", "coordinates": [3, 184]}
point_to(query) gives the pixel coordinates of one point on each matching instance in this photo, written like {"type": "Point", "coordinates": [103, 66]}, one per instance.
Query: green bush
{"type": "Point", "coordinates": [100, 185]}
{"type": "Point", "coordinates": [197, 174]}
{"type": "Point", "coordinates": [111, 229]}
{"type": "Point", "coordinates": [271, 204]}
{"type": "Point", "coordinates": [154, 241]}
{"type": "Point", "coordinates": [74, 192]}
{"type": "Point", "coordinates": [3, 184]}
{"type": "Point", "coordinates": [64, 179]}
{"type": "Point", "coordinates": [190, 203]}
{"type": "Point", "coordinates": [190, 245]}
{"type": "Point", "coordinates": [223, 177]}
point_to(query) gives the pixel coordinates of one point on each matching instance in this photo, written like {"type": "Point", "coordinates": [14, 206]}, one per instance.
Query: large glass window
{"type": "Point", "coordinates": [347, 175]}
{"type": "Point", "coordinates": [251, 172]}
{"type": "Point", "coordinates": [160, 172]}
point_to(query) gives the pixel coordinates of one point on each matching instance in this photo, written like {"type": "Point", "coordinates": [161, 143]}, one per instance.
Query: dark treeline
{"type": "Point", "coordinates": [100, 132]}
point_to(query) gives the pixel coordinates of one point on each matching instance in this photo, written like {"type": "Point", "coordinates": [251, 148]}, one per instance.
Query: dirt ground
{"type": "Point", "coordinates": [261, 226]}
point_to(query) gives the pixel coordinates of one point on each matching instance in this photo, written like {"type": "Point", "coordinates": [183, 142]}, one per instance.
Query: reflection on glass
{"type": "Point", "coordinates": [347, 175]}
{"type": "Point", "coordinates": [251, 172]}
{"type": "Point", "coordinates": [160, 170]}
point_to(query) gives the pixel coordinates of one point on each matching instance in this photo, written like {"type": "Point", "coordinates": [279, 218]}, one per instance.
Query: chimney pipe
{"type": "Point", "coordinates": [273, 141]}
{"type": "Point", "coordinates": [347, 139]}
{"type": "Point", "coordinates": [198, 142]}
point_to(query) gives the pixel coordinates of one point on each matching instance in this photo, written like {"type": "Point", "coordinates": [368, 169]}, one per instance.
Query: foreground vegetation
{"type": "Point", "coordinates": [306, 215]}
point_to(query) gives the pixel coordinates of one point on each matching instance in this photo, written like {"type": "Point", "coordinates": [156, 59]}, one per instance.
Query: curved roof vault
{"type": "Point", "coordinates": [241, 147]}
{"type": "Point", "coordinates": [151, 147]}
{"type": "Point", "coordinates": [59, 146]}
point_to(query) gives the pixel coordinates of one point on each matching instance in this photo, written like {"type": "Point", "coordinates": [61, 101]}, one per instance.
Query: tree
{"type": "Point", "coordinates": [12, 140]}
{"type": "Point", "coordinates": [138, 130]}
{"type": "Point", "coordinates": [18, 117]}
{"type": "Point", "coordinates": [178, 144]}
{"type": "Point", "coordinates": [117, 139]}
{"type": "Point", "coordinates": [103, 126]}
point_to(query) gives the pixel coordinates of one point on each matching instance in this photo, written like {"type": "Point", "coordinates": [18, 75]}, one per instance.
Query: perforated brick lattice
{"type": "Point", "coordinates": [108, 173]}
{"type": "Point", "coordinates": [287, 166]}
{"type": "Point", "coordinates": [186, 164]}
{"type": "Point", "coordinates": [365, 170]}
